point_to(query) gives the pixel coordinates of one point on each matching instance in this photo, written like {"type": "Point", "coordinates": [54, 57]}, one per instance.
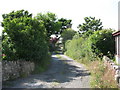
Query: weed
{"type": "Point", "coordinates": [101, 76]}
{"type": "Point", "coordinates": [42, 66]}
{"type": "Point", "coordinates": [55, 83]}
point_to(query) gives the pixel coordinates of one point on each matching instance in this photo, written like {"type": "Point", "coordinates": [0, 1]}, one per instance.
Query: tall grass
{"type": "Point", "coordinates": [101, 76]}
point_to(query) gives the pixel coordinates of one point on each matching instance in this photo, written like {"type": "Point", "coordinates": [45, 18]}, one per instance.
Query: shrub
{"type": "Point", "coordinates": [102, 43]}
{"type": "Point", "coordinates": [23, 37]}
{"type": "Point", "coordinates": [79, 49]}
{"type": "Point", "coordinates": [67, 35]}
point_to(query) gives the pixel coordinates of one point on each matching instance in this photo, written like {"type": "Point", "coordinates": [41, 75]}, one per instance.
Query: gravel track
{"type": "Point", "coordinates": [65, 73]}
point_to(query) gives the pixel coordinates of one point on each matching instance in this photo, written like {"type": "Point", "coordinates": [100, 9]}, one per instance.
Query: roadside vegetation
{"type": "Point", "coordinates": [89, 46]}
{"type": "Point", "coordinates": [101, 76]}
{"type": "Point", "coordinates": [25, 37]}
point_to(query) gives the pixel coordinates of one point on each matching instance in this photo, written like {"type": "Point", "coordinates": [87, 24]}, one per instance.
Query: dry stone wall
{"type": "Point", "coordinates": [115, 69]}
{"type": "Point", "coordinates": [15, 69]}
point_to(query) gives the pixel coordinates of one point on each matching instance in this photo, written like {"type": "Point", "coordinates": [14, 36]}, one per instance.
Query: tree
{"type": "Point", "coordinates": [23, 37]}
{"type": "Point", "coordinates": [91, 24]}
{"type": "Point", "coordinates": [53, 25]}
{"type": "Point", "coordinates": [50, 22]}
{"type": "Point", "coordinates": [67, 35]}
{"type": "Point", "coordinates": [65, 24]}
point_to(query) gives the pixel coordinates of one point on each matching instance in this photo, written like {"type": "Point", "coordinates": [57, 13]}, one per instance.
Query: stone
{"type": "Point", "coordinates": [14, 69]}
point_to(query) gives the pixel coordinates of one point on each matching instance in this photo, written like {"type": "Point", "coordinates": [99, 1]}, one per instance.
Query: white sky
{"type": "Point", "coordinates": [106, 10]}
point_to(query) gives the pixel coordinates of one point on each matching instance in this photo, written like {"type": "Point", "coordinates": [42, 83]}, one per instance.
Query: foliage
{"type": "Point", "coordinates": [103, 43]}
{"type": "Point", "coordinates": [79, 49]}
{"type": "Point", "coordinates": [50, 22]}
{"type": "Point", "coordinates": [91, 24]}
{"type": "Point", "coordinates": [87, 50]}
{"type": "Point", "coordinates": [102, 77]}
{"type": "Point", "coordinates": [42, 66]}
{"type": "Point", "coordinates": [88, 47]}
{"type": "Point", "coordinates": [23, 37]}
{"type": "Point", "coordinates": [65, 24]}
{"type": "Point", "coordinates": [68, 34]}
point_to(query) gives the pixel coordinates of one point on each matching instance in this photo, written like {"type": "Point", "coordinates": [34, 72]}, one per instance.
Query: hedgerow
{"type": "Point", "coordinates": [23, 37]}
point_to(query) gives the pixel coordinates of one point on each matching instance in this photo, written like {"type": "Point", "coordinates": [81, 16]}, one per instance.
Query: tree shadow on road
{"type": "Point", "coordinates": [60, 71]}
{"type": "Point", "coordinates": [63, 71]}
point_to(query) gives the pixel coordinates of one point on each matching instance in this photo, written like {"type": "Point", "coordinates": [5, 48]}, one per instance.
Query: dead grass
{"type": "Point", "coordinates": [102, 77]}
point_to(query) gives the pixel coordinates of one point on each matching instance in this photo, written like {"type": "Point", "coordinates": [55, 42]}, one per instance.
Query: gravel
{"type": "Point", "coordinates": [65, 73]}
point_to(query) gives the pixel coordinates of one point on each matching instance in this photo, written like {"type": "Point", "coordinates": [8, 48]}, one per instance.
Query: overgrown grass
{"type": "Point", "coordinates": [80, 49]}
{"type": "Point", "coordinates": [101, 76]}
{"type": "Point", "coordinates": [42, 66]}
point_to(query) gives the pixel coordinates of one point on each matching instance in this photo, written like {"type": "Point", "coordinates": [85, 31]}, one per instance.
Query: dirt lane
{"type": "Point", "coordinates": [65, 73]}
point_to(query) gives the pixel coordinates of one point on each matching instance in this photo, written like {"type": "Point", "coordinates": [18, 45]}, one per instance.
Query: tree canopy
{"type": "Point", "coordinates": [52, 24]}
{"type": "Point", "coordinates": [65, 24]}
{"type": "Point", "coordinates": [23, 37]}
{"type": "Point", "coordinates": [91, 24]}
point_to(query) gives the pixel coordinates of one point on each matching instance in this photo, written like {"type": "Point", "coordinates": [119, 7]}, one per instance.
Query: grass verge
{"type": "Point", "coordinates": [101, 76]}
{"type": "Point", "coordinates": [42, 66]}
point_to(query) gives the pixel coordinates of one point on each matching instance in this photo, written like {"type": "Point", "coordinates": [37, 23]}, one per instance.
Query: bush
{"type": "Point", "coordinates": [23, 37]}
{"type": "Point", "coordinates": [103, 43]}
{"type": "Point", "coordinates": [67, 35]}
{"type": "Point", "coordinates": [79, 49]}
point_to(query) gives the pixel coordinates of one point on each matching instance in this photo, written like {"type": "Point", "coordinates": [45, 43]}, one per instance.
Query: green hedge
{"type": "Point", "coordinates": [79, 49]}
{"type": "Point", "coordinates": [23, 38]}
{"type": "Point", "coordinates": [103, 43]}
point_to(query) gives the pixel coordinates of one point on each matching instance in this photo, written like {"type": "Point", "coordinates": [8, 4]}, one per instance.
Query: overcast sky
{"type": "Point", "coordinates": [106, 10]}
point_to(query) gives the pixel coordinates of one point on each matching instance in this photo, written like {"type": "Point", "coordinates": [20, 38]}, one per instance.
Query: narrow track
{"type": "Point", "coordinates": [65, 73]}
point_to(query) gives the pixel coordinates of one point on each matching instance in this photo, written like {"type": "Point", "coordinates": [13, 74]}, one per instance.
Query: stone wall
{"type": "Point", "coordinates": [15, 69]}
{"type": "Point", "coordinates": [115, 69]}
